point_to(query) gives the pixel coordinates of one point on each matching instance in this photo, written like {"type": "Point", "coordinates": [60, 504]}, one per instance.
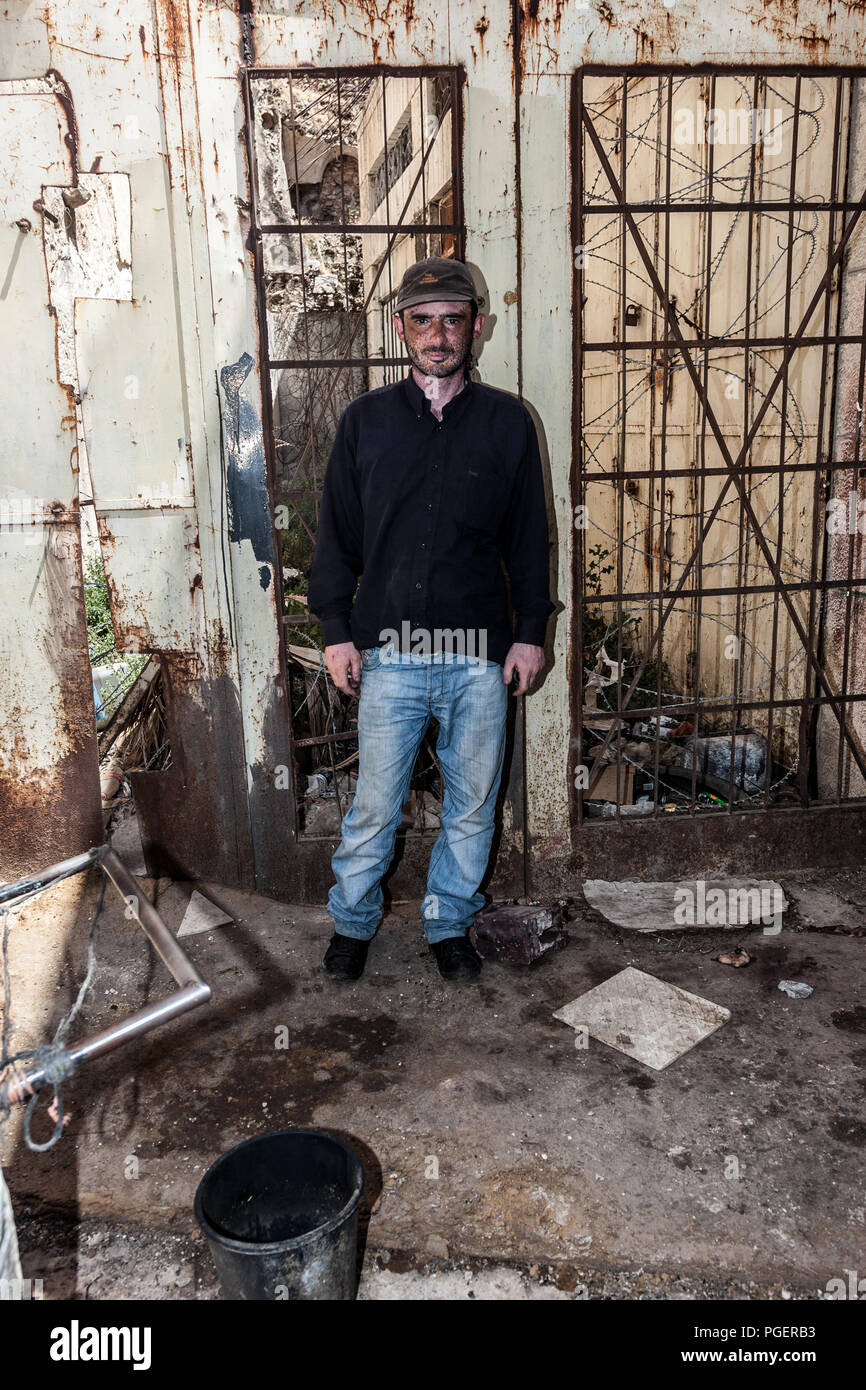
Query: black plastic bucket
{"type": "Point", "coordinates": [280, 1213]}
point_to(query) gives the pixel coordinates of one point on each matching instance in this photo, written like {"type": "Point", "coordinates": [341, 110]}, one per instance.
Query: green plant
{"type": "Point", "coordinates": [96, 605]}
{"type": "Point", "coordinates": [595, 570]}
{"type": "Point", "coordinates": [620, 635]}
{"type": "Point", "coordinates": [101, 644]}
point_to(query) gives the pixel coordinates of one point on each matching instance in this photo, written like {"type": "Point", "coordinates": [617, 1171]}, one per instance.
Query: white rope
{"type": "Point", "coordinates": [10, 1264]}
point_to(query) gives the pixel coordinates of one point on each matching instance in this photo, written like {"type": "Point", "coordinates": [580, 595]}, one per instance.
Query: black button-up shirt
{"type": "Point", "coordinates": [426, 511]}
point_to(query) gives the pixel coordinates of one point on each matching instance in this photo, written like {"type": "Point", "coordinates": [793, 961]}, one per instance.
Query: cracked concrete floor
{"type": "Point", "coordinates": [500, 1160]}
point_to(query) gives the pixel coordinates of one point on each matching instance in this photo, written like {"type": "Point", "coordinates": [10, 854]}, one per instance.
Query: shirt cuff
{"type": "Point", "coordinates": [530, 630]}
{"type": "Point", "coordinates": [336, 630]}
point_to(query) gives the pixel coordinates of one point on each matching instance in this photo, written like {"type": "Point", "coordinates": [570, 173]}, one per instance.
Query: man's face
{"type": "Point", "coordinates": [439, 336]}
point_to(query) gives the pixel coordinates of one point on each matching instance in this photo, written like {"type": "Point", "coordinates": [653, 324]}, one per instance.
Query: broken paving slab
{"type": "Point", "coordinates": [202, 915]}
{"type": "Point", "coordinates": [648, 1019]}
{"type": "Point", "coordinates": [819, 905]}
{"type": "Point", "coordinates": [687, 904]}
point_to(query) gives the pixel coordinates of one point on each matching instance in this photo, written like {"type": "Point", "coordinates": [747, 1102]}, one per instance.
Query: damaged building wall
{"type": "Point", "coordinates": [150, 429]}
{"type": "Point", "coordinates": [556, 41]}
{"type": "Point", "coordinates": [49, 778]}
{"type": "Point", "coordinates": [171, 404]}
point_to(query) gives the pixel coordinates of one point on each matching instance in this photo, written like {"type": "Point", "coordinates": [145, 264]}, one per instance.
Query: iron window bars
{"type": "Point", "coordinates": [735, 536]}
{"type": "Point", "coordinates": [336, 266]}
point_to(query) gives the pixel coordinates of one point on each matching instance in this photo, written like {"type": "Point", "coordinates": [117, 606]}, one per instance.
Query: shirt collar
{"type": "Point", "coordinates": [420, 403]}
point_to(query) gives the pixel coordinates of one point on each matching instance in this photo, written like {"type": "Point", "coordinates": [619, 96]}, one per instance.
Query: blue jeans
{"type": "Point", "coordinates": [399, 693]}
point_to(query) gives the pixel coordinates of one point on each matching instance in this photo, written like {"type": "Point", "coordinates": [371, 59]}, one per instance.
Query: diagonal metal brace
{"type": "Point", "coordinates": [193, 989]}
{"type": "Point", "coordinates": [735, 467]}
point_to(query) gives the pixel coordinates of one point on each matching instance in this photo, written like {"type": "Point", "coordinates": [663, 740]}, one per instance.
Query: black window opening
{"type": "Point", "coordinates": [355, 175]}
{"type": "Point", "coordinates": [718, 584]}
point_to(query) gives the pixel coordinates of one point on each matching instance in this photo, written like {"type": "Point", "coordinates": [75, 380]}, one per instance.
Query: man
{"type": "Point", "coordinates": [432, 482]}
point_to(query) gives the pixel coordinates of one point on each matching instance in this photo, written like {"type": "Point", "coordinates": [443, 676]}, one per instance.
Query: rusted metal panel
{"type": "Point", "coordinates": [544, 310]}
{"type": "Point", "coordinates": [137, 361]}
{"type": "Point", "coordinates": [139, 371]}
{"type": "Point", "coordinates": [154, 578]}
{"type": "Point", "coordinates": [739, 844]}
{"type": "Point", "coordinates": [135, 414]}
{"type": "Point", "coordinates": [50, 803]}
{"type": "Point", "coordinates": [25, 51]}
{"type": "Point", "coordinates": [197, 52]}
{"type": "Point", "coordinates": [197, 815]}
{"type": "Point", "coordinates": [262, 704]}
{"type": "Point", "coordinates": [50, 799]}
{"type": "Point", "coordinates": [560, 35]}
{"type": "Point", "coordinates": [86, 233]}
{"type": "Point", "coordinates": [189, 813]}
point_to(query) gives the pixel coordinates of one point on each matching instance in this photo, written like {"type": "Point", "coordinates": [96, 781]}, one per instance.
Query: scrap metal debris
{"type": "Point", "coordinates": [670, 767]}
{"type": "Point", "coordinates": [521, 933]}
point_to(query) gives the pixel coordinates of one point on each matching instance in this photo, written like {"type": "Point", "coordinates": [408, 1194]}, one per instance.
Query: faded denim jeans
{"type": "Point", "coordinates": [400, 691]}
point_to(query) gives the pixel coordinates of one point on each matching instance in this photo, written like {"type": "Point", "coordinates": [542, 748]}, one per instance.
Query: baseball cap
{"type": "Point", "coordinates": [437, 277]}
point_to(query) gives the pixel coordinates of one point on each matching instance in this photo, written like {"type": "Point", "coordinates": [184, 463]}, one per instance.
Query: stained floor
{"type": "Point", "coordinates": [494, 1149]}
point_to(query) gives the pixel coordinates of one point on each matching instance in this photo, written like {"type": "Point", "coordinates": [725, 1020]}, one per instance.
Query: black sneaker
{"type": "Point", "coordinates": [457, 958]}
{"type": "Point", "coordinates": [345, 957]}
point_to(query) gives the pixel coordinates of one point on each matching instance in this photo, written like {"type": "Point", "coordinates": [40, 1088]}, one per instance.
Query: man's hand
{"type": "Point", "coordinates": [344, 664]}
{"type": "Point", "coordinates": [527, 661]}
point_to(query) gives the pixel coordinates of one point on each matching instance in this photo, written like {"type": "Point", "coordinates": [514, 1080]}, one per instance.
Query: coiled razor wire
{"type": "Point", "coordinates": [53, 1058]}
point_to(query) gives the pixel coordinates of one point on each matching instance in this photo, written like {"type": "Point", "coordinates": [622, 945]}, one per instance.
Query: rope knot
{"type": "Point", "coordinates": [56, 1063]}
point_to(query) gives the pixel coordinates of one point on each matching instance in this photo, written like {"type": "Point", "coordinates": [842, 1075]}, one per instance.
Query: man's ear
{"type": "Point", "coordinates": [478, 326]}
{"type": "Point", "coordinates": [398, 324]}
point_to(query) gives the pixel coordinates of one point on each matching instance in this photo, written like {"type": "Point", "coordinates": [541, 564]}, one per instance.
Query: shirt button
{"type": "Point", "coordinates": [435, 466]}
{"type": "Point", "coordinates": [417, 586]}
{"type": "Point", "coordinates": [429, 506]}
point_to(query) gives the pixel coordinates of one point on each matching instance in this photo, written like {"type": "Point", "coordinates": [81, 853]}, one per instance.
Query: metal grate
{"type": "Point", "coordinates": [717, 664]}
{"type": "Point", "coordinates": [351, 171]}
